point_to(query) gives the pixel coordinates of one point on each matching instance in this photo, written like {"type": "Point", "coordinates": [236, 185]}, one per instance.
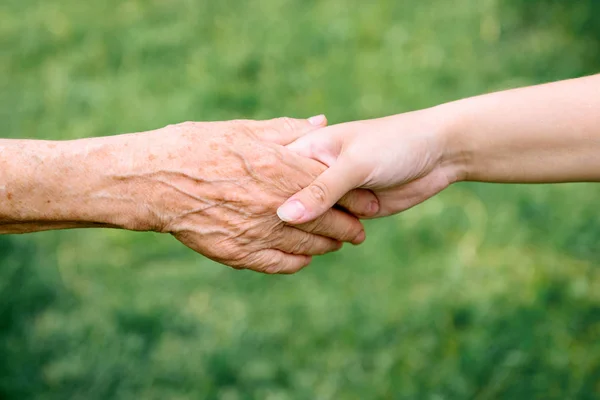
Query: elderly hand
{"type": "Point", "coordinates": [216, 187]}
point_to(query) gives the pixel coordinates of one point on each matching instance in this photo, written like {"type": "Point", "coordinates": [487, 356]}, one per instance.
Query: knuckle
{"type": "Point", "coordinates": [350, 205]}
{"type": "Point", "coordinates": [352, 229]}
{"type": "Point", "coordinates": [250, 261]}
{"type": "Point", "coordinates": [325, 223]}
{"type": "Point", "coordinates": [311, 227]}
{"type": "Point", "coordinates": [352, 197]}
{"type": "Point", "coordinates": [287, 123]}
{"type": "Point", "coordinates": [343, 230]}
{"type": "Point", "coordinates": [241, 262]}
{"type": "Point", "coordinates": [230, 254]}
{"type": "Point", "coordinates": [263, 209]}
{"type": "Point", "coordinates": [320, 248]}
{"type": "Point", "coordinates": [273, 269]}
{"type": "Point", "coordinates": [260, 262]}
{"type": "Point", "coordinates": [318, 191]}
{"type": "Point", "coordinates": [236, 130]}
{"type": "Point", "coordinates": [237, 255]}
{"type": "Point", "coordinates": [303, 245]}
{"type": "Point", "coordinates": [273, 266]}
{"type": "Point", "coordinates": [267, 159]}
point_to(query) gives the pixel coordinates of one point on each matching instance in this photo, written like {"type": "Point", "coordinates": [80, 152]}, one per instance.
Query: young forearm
{"type": "Point", "coordinates": [541, 134]}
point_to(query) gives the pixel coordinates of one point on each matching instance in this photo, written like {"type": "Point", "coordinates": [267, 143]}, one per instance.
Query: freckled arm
{"type": "Point", "coordinates": [58, 185]}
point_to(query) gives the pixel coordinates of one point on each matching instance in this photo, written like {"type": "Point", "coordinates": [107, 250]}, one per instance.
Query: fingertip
{"type": "Point", "coordinates": [369, 210]}
{"type": "Point", "coordinates": [318, 120]}
{"type": "Point", "coordinates": [296, 212]}
{"type": "Point", "coordinates": [373, 208]}
{"type": "Point", "coordinates": [362, 203]}
{"type": "Point", "coordinates": [360, 238]}
{"type": "Point", "coordinates": [291, 211]}
{"type": "Point", "coordinates": [285, 130]}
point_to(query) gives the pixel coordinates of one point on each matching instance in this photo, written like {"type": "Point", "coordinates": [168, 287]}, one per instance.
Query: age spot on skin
{"type": "Point", "coordinates": [9, 195]}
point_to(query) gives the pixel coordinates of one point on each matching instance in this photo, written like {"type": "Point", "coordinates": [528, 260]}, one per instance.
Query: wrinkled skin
{"type": "Point", "coordinates": [216, 187]}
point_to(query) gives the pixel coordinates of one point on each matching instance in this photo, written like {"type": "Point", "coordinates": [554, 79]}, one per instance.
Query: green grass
{"type": "Point", "coordinates": [484, 292]}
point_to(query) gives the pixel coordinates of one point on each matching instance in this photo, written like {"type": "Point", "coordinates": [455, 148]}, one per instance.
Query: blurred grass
{"type": "Point", "coordinates": [485, 292]}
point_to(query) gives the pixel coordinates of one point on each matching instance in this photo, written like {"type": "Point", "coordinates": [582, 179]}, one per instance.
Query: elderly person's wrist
{"type": "Point", "coordinates": [70, 184]}
{"type": "Point", "coordinates": [214, 186]}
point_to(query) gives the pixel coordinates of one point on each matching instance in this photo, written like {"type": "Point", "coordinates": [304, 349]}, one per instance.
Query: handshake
{"type": "Point", "coordinates": [269, 195]}
{"type": "Point", "coordinates": [220, 187]}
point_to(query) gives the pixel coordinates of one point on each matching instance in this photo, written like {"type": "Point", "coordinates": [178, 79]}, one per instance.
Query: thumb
{"type": "Point", "coordinates": [322, 194]}
{"type": "Point", "coordinates": [284, 130]}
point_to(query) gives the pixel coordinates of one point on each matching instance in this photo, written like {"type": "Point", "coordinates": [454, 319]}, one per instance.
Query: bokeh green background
{"type": "Point", "coordinates": [484, 292]}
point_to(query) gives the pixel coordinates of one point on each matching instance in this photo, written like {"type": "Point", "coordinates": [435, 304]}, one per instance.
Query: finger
{"type": "Point", "coordinates": [314, 200]}
{"type": "Point", "coordinates": [273, 261]}
{"type": "Point", "coordinates": [337, 225]}
{"type": "Point", "coordinates": [362, 203]}
{"type": "Point", "coordinates": [295, 241]}
{"type": "Point", "coordinates": [322, 145]}
{"type": "Point", "coordinates": [411, 194]}
{"type": "Point", "coordinates": [285, 130]}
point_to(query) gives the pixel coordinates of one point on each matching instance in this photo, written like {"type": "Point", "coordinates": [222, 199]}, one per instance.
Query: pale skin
{"type": "Point", "coordinates": [214, 186]}
{"type": "Point", "coordinates": [541, 134]}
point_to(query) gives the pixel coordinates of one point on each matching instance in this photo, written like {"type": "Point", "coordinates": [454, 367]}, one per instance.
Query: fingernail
{"type": "Point", "coordinates": [359, 238]}
{"type": "Point", "coordinates": [291, 211]}
{"type": "Point", "coordinates": [373, 207]}
{"type": "Point", "coordinates": [317, 120]}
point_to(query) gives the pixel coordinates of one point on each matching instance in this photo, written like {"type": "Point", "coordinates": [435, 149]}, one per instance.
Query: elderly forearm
{"type": "Point", "coordinates": [547, 133]}
{"type": "Point", "coordinates": [57, 185]}
{"type": "Point", "coordinates": [214, 186]}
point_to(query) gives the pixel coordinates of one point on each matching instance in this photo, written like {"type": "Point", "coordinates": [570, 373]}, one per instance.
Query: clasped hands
{"type": "Point", "coordinates": [217, 186]}
{"type": "Point", "coordinates": [269, 195]}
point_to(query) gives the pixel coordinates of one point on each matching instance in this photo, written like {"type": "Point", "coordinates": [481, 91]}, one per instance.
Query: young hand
{"type": "Point", "coordinates": [400, 158]}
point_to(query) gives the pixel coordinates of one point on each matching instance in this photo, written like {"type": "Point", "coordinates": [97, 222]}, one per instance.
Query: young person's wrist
{"type": "Point", "coordinates": [450, 136]}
